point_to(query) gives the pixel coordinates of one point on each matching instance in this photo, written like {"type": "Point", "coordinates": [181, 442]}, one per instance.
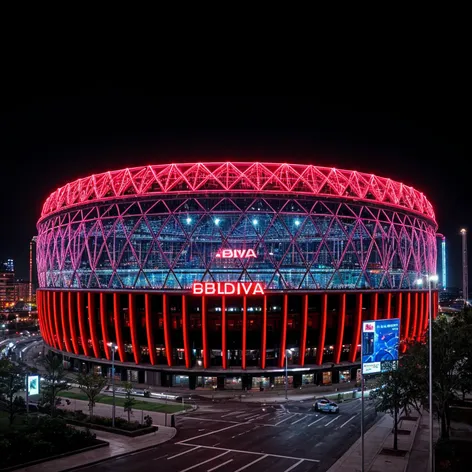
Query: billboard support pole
{"type": "Point", "coordinates": [27, 398]}
{"type": "Point", "coordinates": [362, 421]}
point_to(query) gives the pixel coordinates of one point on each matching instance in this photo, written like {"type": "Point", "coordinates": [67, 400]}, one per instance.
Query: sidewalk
{"type": "Point", "coordinates": [415, 446]}
{"type": "Point", "coordinates": [118, 446]}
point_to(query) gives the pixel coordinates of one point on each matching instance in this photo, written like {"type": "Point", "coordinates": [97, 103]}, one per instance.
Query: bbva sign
{"type": "Point", "coordinates": [227, 288]}
{"type": "Point", "coordinates": [236, 253]}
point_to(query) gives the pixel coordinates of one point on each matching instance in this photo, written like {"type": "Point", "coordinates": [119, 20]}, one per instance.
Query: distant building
{"type": "Point", "coordinates": [7, 284]}
{"type": "Point", "coordinates": [22, 290]}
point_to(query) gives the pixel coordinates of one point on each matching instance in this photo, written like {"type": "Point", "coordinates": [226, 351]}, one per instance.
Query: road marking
{"type": "Point", "coordinates": [294, 465]}
{"type": "Point", "coordinates": [302, 418]}
{"type": "Point", "coordinates": [231, 413]}
{"type": "Point", "coordinates": [160, 457]}
{"type": "Point", "coordinates": [211, 432]}
{"type": "Point", "coordinates": [351, 418]}
{"type": "Point", "coordinates": [245, 414]}
{"type": "Point", "coordinates": [221, 465]}
{"type": "Point", "coordinates": [319, 419]}
{"type": "Point", "coordinates": [204, 462]}
{"type": "Point", "coordinates": [281, 421]}
{"type": "Point", "coordinates": [239, 451]}
{"type": "Point", "coordinates": [251, 463]}
{"type": "Point", "coordinates": [208, 419]}
{"type": "Point", "coordinates": [182, 453]}
{"type": "Point", "coordinates": [337, 417]}
{"type": "Point", "coordinates": [251, 418]}
{"type": "Point", "coordinates": [262, 416]}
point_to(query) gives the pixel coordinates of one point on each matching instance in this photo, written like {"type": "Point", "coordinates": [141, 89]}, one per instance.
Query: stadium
{"type": "Point", "coordinates": [224, 274]}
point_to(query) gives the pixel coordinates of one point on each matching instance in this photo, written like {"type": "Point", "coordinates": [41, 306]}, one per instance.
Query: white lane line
{"type": "Point", "coordinates": [251, 418]}
{"type": "Point", "coordinates": [266, 414]}
{"type": "Point", "coordinates": [337, 417]}
{"type": "Point", "coordinates": [319, 419]}
{"type": "Point", "coordinates": [251, 463]}
{"type": "Point", "coordinates": [281, 421]}
{"type": "Point", "coordinates": [302, 418]}
{"type": "Point", "coordinates": [182, 453]}
{"type": "Point", "coordinates": [204, 462]}
{"type": "Point", "coordinates": [208, 419]}
{"type": "Point", "coordinates": [231, 413]}
{"type": "Point", "coordinates": [346, 422]}
{"type": "Point", "coordinates": [218, 466]}
{"type": "Point", "coordinates": [239, 451]}
{"type": "Point", "coordinates": [211, 432]}
{"type": "Point", "coordinates": [294, 465]}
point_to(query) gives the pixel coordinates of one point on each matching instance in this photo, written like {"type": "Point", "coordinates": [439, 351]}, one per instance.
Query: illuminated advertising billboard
{"type": "Point", "coordinates": [227, 288]}
{"type": "Point", "coordinates": [380, 342]}
{"type": "Point", "coordinates": [33, 384]}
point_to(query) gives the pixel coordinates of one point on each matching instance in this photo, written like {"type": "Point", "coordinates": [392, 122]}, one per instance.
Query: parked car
{"type": "Point", "coordinates": [326, 406]}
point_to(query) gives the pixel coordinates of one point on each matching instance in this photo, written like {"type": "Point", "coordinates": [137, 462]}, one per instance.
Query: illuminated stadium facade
{"type": "Point", "coordinates": [209, 273]}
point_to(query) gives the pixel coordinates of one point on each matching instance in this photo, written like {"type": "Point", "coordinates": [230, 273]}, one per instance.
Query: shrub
{"type": "Point", "coordinates": [148, 420]}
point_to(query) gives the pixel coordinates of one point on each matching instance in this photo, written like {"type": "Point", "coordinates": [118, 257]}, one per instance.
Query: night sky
{"type": "Point", "coordinates": [48, 139]}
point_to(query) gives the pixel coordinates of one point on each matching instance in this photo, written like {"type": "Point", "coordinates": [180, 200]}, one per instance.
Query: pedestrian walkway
{"type": "Point", "coordinates": [380, 438]}
{"type": "Point", "coordinates": [118, 446]}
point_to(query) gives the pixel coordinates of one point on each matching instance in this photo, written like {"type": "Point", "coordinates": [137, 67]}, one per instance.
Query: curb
{"type": "Point", "coordinates": [118, 456]}
{"type": "Point", "coordinates": [416, 427]}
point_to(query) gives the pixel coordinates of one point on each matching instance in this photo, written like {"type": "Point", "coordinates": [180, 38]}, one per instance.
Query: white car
{"type": "Point", "coordinates": [323, 404]}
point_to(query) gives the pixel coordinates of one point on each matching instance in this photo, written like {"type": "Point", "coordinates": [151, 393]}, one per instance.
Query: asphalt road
{"type": "Point", "coordinates": [233, 437]}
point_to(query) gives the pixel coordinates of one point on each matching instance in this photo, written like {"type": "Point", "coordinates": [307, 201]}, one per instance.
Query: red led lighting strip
{"type": "Point", "coordinates": [104, 323]}
{"type": "Point", "coordinates": [93, 324]}
{"type": "Point", "coordinates": [356, 332]}
{"type": "Point", "coordinates": [117, 318]}
{"type": "Point", "coordinates": [322, 335]}
{"type": "Point", "coordinates": [65, 320]}
{"type": "Point", "coordinates": [71, 298]}
{"type": "Point", "coordinates": [149, 334]}
{"type": "Point", "coordinates": [132, 325]}
{"type": "Point", "coordinates": [166, 322]}
{"type": "Point", "coordinates": [304, 330]}
{"type": "Point", "coordinates": [83, 333]}
{"type": "Point", "coordinates": [339, 338]}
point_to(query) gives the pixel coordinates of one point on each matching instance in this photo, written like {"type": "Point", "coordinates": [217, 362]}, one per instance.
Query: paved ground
{"type": "Point", "coordinates": [238, 436]}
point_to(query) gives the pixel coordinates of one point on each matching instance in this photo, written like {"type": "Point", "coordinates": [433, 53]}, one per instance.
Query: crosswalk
{"type": "Point", "coordinates": [285, 418]}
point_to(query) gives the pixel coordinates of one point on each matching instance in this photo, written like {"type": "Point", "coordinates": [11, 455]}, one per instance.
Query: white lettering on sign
{"type": "Point", "coordinates": [227, 288]}
{"type": "Point", "coordinates": [236, 253]}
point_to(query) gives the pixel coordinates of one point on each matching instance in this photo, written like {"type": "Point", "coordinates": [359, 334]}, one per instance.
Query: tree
{"type": "Point", "coordinates": [129, 400]}
{"type": "Point", "coordinates": [54, 379]}
{"type": "Point", "coordinates": [12, 380]}
{"type": "Point", "coordinates": [92, 385]}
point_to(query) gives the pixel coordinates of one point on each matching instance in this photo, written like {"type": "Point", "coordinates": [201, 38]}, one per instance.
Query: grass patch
{"type": "Point", "coordinates": [120, 401]}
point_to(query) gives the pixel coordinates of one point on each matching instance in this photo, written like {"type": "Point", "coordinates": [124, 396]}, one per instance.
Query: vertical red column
{"type": "Point", "coordinates": [339, 339]}
{"type": "Point", "coordinates": [224, 349]}
{"type": "Point", "coordinates": [39, 304]}
{"type": "Point", "coordinates": [407, 317]}
{"type": "Point", "coordinates": [42, 309]}
{"type": "Point", "coordinates": [204, 335]}
{"type": "Point", "coordinates": [356, 332]}
{"type": "Point", "coordinates": [375, 306]}
{"type": "Point", "coordinates": [264, 333]}
{"type": "Point", "coordinates": [104, 323]}
{"type": "Point", "coordinates": [415, 316]}
{"type": "Point", "coordinates": [399, 305]}
{"type": "Point", "coordinates": [283, 339]}
{"type": "Point", "coordinates": [426, 314]}
{"type": "Point", "coordinates": [243, 348]}
{"type": "Point", "coordinates": [64, 320]}
{"type": "Point", "coordinates": [185, 326]}
{"type": "Point", "coordinates": [133, 328]}
{"type": "Point", "coordinates": [149, 334]}
{"type": "Point", "coordinates": [166, 322]}
{"type": "Point", "coordinates": [419, 328]}
{"type": "Point", "coordinates": [83, 333]}
{"type": "Point", "coordinates": [72, 314]}
{"type": "Point", "coordinates": [118, 332]}
{"type": "Point", "coordinates": [93, 324]}
{"type": "Point", "coordinates": [436, 303]}
{"type": "Point", "coordinates": [388, 306]}
{"type": "Point", "coordinates": [304, 330]}
{"type": "Point", "coordinates": [56, 320]}
{"type": "Point", "coordinates": [323, 322]}
{"type": "Point", "coordinates": [52, 332]}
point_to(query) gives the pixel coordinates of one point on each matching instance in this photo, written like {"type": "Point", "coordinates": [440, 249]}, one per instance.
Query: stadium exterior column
{"type": "Point", "coordinates": [323, 323]}
{"type": "Point", "coordinates": [118, 332]}
{"type": "Point", "coordinates": [341, 319]}
{"type": "Point", "coordinates": [224, 349]}
{"type": "Point", "coordinates": [304, 331]}
{"type": "Point", "coordinates": [166, 323]}
{"type": "Point", "coordinates": [149, 334]}
{"type": "Point", "coordinates": [133, 328]}
{"type": "Point", "coordinates": [243, 349]}
{"type": "Point", "coordinates": [71, 299]}
{"type": "Point", "coordinates": [356, 332]}
{"type": "Point", "coordinates": [206, 352]}
{"type": "Point", "coordinates": [64, 320]}
{"type": "Point", "coordinates": [264, 333]}
{"type": "Point", "coordinates": [83, 332]}
{"type": "Point", "coordinates": [186, 339]}
{"type": "Point", "coordinates": [104, 323]}
{"type": "Point", "coordinates": [93, 324]}
{"type": "Point", "coordinates": [283, 339]}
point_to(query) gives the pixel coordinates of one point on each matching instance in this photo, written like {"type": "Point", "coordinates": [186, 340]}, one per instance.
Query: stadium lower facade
{"type": "Point", "coordinates": [218, 274]}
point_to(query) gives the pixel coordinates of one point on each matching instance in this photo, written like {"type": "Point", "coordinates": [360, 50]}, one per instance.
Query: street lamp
{"type": "Point", "coordinates": [286, 376]}
{"type": "Point", "coordinates": [114, 347]}
{"type": "Point", "coordinates": [430, 279]}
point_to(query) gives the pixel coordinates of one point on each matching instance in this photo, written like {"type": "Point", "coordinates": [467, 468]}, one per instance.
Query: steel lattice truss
{"type": "Point", "coordinates": [238, 177]}
{"type": "Point", "coordinates": [168, 241]}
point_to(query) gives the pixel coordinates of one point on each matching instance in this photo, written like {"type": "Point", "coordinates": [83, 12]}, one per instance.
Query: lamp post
{"type": "Point", "coordinates": [430, 279]}
{"type": "Point", "coordinates": [113, 348]}
{"type": "Point", "coordinates": [286, 373]}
